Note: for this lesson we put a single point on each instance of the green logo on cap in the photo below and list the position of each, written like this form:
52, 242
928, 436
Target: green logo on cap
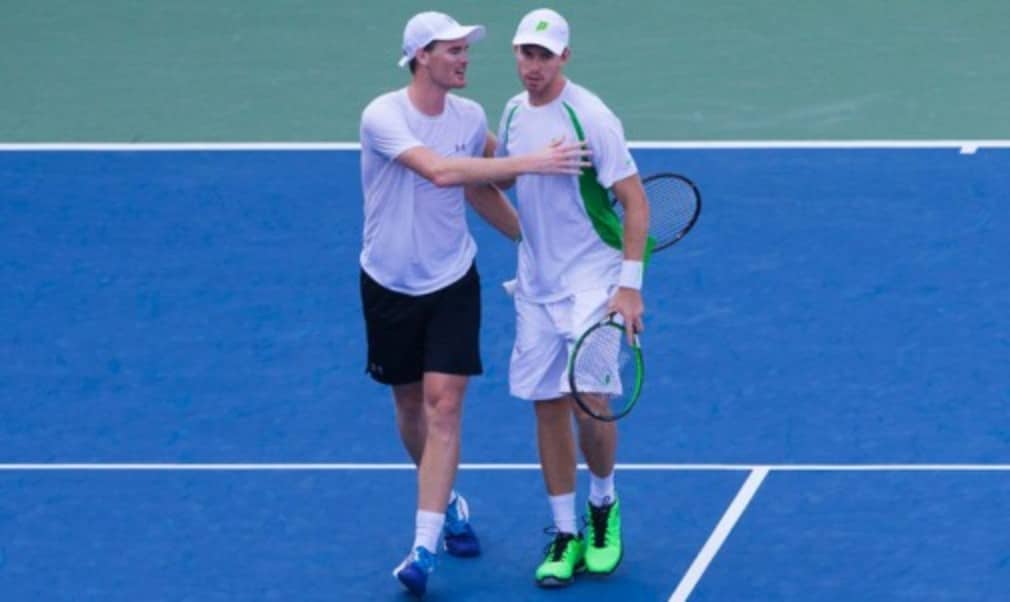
542, 25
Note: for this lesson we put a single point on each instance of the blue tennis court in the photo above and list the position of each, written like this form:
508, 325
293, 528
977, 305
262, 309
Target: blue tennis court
185, 414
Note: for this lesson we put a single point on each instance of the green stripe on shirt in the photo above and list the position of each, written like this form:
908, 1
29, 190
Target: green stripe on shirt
596, 200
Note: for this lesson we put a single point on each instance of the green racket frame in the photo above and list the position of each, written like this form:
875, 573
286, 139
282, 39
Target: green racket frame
636, 392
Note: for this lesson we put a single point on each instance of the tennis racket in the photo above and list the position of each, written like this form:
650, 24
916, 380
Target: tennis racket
674, 207
605, 371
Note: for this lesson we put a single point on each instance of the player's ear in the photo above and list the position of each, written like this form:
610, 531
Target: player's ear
423, 55
567, 52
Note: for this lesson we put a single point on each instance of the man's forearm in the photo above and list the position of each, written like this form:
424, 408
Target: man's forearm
455, 171
491, 204
636, 231
442, 171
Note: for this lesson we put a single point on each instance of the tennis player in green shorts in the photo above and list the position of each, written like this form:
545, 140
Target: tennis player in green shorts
568, 278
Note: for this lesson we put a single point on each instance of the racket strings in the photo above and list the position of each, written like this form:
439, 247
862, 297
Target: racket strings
597, 367
673, 204
605, 371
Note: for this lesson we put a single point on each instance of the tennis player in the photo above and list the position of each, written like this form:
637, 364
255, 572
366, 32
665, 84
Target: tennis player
423, 150
569, 277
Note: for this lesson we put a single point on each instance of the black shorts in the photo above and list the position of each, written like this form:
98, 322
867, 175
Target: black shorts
410, 335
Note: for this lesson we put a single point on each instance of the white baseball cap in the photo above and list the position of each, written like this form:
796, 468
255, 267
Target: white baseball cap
427, 27
543, 27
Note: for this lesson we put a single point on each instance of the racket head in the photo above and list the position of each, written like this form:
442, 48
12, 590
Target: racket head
605, 372
674, 207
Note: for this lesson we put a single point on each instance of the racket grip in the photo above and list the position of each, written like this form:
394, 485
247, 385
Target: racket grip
510, 287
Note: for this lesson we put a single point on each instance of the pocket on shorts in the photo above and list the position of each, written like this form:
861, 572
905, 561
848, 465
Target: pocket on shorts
588, 308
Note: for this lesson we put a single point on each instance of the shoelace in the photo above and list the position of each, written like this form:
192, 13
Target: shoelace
425, 559
559, 544
598, 516
455, 519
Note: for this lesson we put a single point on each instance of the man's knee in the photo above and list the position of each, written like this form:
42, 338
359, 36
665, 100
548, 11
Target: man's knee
443, 406
446, 408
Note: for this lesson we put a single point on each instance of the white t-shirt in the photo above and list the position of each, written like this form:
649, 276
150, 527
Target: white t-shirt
569, 243
415, 238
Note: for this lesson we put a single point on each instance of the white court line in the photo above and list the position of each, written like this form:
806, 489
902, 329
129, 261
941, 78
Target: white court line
719, 535
491, 466
180, 146
687, 583
964, 146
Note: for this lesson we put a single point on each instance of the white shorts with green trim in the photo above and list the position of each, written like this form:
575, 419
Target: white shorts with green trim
545, 336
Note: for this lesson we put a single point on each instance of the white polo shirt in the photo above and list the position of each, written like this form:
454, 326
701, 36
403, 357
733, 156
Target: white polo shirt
415, 238
571, 237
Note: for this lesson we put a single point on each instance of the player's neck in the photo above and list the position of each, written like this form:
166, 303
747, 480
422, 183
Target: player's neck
550, 93
426, 97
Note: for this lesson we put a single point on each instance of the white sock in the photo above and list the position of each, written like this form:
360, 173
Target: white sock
428, 527
601, 489
563, 509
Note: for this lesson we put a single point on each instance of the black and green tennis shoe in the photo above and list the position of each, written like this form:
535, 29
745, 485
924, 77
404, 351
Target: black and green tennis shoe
604, 548
564, 559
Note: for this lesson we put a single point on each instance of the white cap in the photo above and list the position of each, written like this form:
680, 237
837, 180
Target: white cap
543, 27
425, 28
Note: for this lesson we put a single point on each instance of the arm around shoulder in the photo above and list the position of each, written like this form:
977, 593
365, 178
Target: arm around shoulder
558, 158
456, 171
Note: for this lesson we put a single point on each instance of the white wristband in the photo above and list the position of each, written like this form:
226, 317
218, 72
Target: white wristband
631, 274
